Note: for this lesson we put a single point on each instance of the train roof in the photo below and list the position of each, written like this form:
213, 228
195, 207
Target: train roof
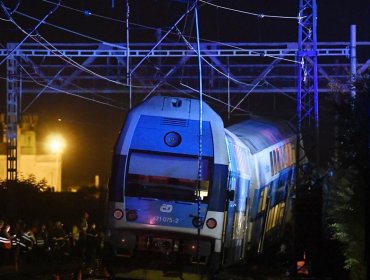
176, 108
259, 134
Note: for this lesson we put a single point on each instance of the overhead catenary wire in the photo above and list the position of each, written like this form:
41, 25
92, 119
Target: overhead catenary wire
210, 64
209, 96
163, 37
152, 28
200, 138
42, 91
72, 31
32, 79
83, 68
30, 33
89, 71
128, 60
260, 15
66, 58
69, 93
11, 11
219, 71
249, 92
144, 26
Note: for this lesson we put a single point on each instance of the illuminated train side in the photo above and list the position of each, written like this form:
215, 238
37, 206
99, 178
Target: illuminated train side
246, 174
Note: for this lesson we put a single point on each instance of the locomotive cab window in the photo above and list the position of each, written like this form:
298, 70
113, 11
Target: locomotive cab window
167, 177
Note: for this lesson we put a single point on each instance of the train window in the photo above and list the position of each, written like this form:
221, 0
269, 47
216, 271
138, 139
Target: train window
165, 188
272, 164
276, 215
152, 164
262, 199
281, 212
285, 156
278, 158
151, 176
289, 154
271, 220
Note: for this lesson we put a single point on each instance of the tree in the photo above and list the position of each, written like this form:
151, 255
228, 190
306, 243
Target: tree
349, 183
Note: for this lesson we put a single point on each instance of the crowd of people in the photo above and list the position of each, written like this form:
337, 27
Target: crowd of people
43, 243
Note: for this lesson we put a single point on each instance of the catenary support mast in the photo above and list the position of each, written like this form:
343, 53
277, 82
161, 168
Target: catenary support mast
12, 92
307, 90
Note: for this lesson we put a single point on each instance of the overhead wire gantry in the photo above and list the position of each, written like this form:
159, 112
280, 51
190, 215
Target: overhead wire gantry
272, 68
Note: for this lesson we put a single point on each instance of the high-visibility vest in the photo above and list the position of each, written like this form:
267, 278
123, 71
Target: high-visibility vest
5, 243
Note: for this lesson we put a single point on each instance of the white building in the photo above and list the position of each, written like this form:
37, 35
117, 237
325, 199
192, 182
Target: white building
46, 166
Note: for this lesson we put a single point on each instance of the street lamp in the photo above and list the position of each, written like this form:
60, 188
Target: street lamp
56, 145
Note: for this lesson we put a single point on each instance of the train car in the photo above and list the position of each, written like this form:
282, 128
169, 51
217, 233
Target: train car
261, 173
195, 190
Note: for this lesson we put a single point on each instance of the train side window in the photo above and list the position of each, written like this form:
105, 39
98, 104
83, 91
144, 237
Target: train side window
288, 155
276, 210
272, 164
285, 155
281, 157
262, 200
271, 221
275, 161
281, 212
276, 215
278, 159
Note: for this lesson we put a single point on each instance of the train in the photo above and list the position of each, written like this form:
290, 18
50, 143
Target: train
184, 186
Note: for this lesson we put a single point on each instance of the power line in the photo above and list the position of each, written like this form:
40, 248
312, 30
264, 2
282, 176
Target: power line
69, 93
205, 60
261, 15
121, 47
89, 14
28, 34
72, 31
64, 57
209, 96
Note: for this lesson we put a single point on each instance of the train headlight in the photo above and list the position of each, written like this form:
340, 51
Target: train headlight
193, 247
197, 222
131, 215
211, 223
176, 246
172, 139
118, 214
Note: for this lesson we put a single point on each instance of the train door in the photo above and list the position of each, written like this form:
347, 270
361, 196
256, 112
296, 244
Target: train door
229, 224
235, 230
238, 186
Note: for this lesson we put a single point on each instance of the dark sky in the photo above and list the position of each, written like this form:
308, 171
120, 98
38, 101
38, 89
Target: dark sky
90, 128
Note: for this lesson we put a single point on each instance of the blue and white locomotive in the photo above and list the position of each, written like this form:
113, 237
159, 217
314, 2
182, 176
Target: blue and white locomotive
210, 203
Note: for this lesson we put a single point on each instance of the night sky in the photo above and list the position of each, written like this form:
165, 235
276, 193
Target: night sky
90, 128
